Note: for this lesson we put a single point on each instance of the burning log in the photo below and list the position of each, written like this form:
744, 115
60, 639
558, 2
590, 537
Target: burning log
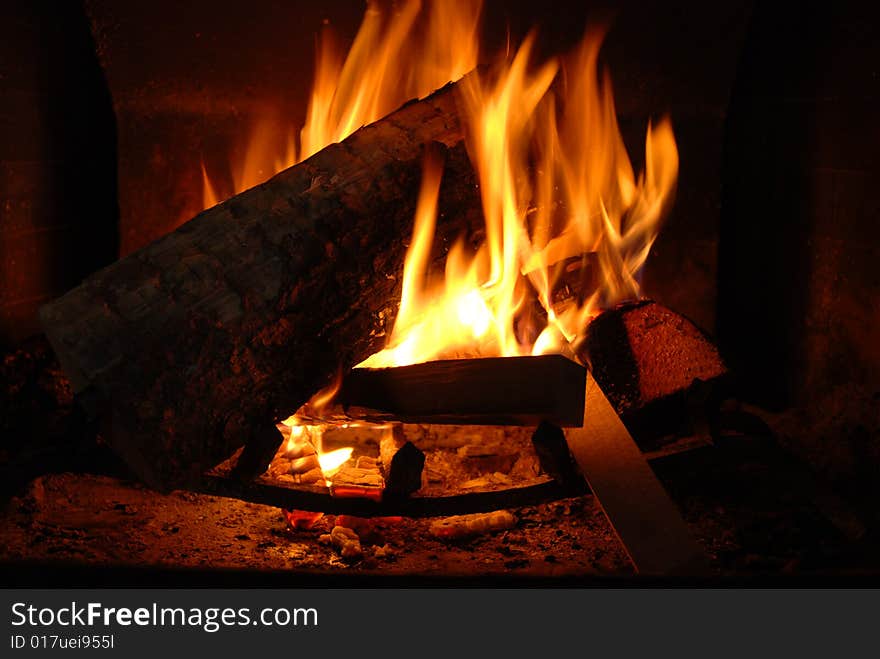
192, 346
655, 366
489, 391
401, 462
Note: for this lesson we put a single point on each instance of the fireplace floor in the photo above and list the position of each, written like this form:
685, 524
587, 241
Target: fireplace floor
101, 519
68, 513
753, 515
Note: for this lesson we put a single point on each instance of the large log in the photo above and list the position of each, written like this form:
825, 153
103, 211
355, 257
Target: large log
196, 344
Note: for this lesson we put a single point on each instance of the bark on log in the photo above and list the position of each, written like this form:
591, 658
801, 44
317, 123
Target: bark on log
656, 367
196, 342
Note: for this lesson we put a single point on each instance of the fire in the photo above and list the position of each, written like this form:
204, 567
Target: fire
556, 182
399, 53
558, 190
303, 433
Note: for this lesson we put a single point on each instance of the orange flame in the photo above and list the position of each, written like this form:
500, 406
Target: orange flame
397, 55
556, 182
310, 433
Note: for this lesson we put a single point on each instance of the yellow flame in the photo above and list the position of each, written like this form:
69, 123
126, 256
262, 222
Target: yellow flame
331, 461
556, 182
399, 53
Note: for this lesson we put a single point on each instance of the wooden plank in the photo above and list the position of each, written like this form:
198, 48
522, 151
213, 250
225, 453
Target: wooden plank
643, 516
489, 391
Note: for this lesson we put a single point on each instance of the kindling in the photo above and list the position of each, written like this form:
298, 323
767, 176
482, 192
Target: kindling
209, 619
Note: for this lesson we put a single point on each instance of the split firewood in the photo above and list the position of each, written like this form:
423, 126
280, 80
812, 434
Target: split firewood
186, 346
488, 391
401, 463
656, 367
301, 519
367, 462
312, 476
357, 482
280, 466
464, 526
577, 280
304, 464
299, 450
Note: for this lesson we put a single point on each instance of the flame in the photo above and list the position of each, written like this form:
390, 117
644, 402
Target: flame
302, 432
399, 53
556, 182
332, 460
608, 212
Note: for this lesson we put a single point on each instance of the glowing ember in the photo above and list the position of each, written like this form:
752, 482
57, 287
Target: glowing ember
331, 461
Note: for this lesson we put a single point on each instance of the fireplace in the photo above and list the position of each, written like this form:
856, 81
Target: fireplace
455, 460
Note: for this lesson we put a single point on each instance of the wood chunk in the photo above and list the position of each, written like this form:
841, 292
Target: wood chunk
357, 482
367, 462
555, 457
489, 391
656, 367
279, 467
188, 343
298, 450
310, 477
465, 526
304, 464
401, 463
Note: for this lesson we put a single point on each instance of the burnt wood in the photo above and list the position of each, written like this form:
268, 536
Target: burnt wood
192, 344
662, 374
402, 464
491, 391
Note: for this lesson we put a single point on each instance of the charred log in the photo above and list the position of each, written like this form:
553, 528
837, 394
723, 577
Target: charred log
658, 370
197, 341
489, 391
